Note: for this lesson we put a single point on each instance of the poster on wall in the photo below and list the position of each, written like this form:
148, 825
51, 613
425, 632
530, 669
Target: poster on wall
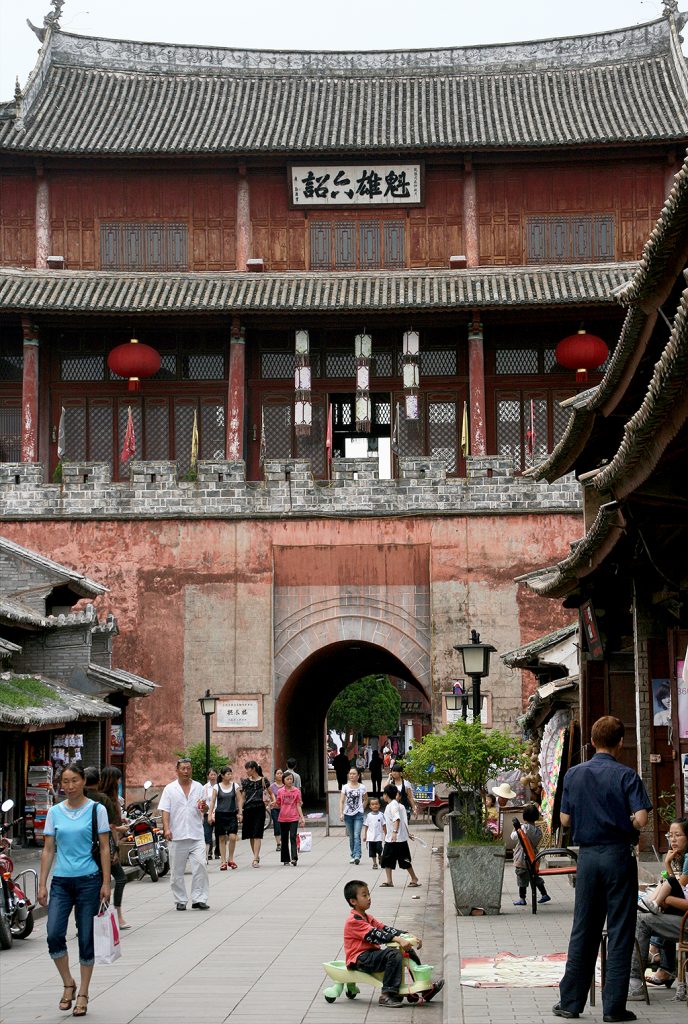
116, 739
682, 693
661, 702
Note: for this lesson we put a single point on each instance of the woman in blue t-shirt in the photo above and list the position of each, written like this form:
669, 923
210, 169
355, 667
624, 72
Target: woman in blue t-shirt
78, 882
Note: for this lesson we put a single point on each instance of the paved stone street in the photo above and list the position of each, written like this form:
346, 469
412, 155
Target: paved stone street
256, 955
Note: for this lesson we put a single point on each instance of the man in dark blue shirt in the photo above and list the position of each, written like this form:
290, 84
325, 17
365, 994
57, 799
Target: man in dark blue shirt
605, 803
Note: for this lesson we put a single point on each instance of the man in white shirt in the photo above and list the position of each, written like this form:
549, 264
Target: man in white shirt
396, 849
182, 807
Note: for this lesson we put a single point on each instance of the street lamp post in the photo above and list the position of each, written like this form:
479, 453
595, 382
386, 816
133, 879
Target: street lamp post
476, 664
208, 704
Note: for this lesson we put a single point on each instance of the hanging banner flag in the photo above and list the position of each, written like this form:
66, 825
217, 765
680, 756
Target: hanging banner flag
61, 435
328, 439
194, 442
530, 432
129, 446
263, 444
465, 440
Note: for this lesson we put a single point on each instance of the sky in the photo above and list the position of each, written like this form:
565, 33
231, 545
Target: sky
311, 24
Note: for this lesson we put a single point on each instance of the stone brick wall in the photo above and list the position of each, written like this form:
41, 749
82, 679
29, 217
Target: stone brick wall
154, 491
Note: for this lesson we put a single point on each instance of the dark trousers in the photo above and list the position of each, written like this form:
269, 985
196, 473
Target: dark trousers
376, 784
288, 830
389, 961
606, 887
120, 881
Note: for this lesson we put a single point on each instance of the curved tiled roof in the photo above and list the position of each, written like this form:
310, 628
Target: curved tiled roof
104, 96
92, 291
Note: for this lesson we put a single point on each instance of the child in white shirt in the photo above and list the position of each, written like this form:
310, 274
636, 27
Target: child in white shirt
374, 831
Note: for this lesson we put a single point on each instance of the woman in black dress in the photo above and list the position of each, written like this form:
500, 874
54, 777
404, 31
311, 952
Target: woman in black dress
224, 813
254, 791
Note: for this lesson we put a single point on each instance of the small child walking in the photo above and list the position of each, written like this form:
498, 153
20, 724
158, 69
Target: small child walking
374, 831
534, 834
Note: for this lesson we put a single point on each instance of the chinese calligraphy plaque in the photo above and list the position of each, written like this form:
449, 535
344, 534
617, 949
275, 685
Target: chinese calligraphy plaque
356, 185
239, 714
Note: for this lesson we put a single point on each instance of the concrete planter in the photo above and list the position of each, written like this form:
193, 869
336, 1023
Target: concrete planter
477, 874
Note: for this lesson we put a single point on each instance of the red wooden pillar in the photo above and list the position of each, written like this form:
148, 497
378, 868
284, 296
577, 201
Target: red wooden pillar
470, 216
236, 396
42, 220
29, 411
476, 386
243, 220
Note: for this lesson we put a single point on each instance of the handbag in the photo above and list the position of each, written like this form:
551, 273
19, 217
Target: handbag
95, 838
304, 842
106, 942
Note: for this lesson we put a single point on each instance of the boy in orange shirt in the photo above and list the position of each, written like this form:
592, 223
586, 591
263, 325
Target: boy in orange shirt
371, 946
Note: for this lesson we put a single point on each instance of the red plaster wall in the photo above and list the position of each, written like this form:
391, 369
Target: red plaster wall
147, 566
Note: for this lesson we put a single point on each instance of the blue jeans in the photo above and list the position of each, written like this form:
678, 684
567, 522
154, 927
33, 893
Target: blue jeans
606, 887
274, 814
354, 824
82, 895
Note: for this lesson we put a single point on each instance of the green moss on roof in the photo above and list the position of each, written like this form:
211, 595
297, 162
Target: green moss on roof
26, 693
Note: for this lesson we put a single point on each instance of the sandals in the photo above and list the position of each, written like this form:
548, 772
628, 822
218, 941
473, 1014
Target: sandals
80, 1011
415, 885
223, 866
66, 1003
232, 864
386, 885
256, 863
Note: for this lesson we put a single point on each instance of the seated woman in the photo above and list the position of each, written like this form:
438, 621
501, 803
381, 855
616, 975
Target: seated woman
660, 914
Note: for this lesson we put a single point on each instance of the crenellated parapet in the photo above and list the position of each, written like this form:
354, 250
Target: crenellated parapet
220, 490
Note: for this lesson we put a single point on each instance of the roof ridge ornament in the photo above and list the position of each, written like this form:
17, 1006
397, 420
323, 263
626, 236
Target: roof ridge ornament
669, 8
53, 20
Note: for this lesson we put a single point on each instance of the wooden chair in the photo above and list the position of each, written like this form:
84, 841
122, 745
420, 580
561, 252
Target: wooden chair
533, 861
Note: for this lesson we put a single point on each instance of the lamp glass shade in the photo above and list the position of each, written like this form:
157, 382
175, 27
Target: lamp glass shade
302, 378
301, 343
452, 702
362, 377
411, 375
411, 406
411, 343
208, 704
303, 414
476, 658
363, 346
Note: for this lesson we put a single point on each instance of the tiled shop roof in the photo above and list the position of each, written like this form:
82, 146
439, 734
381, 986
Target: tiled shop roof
105, 96
116, 679
79, 583
97, 292
38, 700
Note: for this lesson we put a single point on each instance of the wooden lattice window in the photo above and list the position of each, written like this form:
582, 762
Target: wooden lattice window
443, 433
312, 446
277, 426
10, 430
523, 430
357, 245
141, 246
570, 238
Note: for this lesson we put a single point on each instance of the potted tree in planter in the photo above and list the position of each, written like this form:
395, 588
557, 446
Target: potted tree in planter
464, 757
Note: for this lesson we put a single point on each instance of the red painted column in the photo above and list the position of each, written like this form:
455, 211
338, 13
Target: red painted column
476, 387
471, 240
29, 412
236, 396
42, 221
243, 220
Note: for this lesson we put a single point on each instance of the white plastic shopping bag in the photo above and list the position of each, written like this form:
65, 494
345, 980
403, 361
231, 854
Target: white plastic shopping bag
304, 842
106, 935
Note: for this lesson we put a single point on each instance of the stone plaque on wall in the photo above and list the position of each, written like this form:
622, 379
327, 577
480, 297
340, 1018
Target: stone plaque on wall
239, 713
356, 185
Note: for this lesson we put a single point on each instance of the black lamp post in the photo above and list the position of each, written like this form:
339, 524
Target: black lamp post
457, 699
476, 664
208, 704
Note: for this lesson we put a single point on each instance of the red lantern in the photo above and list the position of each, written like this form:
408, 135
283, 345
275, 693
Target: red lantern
581, 352
134, 360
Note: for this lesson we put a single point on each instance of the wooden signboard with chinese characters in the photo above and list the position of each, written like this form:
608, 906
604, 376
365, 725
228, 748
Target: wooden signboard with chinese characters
356, 185
245, 712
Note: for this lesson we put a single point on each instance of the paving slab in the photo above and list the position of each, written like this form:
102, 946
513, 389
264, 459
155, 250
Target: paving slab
255, 956
517, 930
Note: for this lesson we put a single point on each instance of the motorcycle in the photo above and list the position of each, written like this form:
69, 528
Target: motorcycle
150, 852
16, 908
